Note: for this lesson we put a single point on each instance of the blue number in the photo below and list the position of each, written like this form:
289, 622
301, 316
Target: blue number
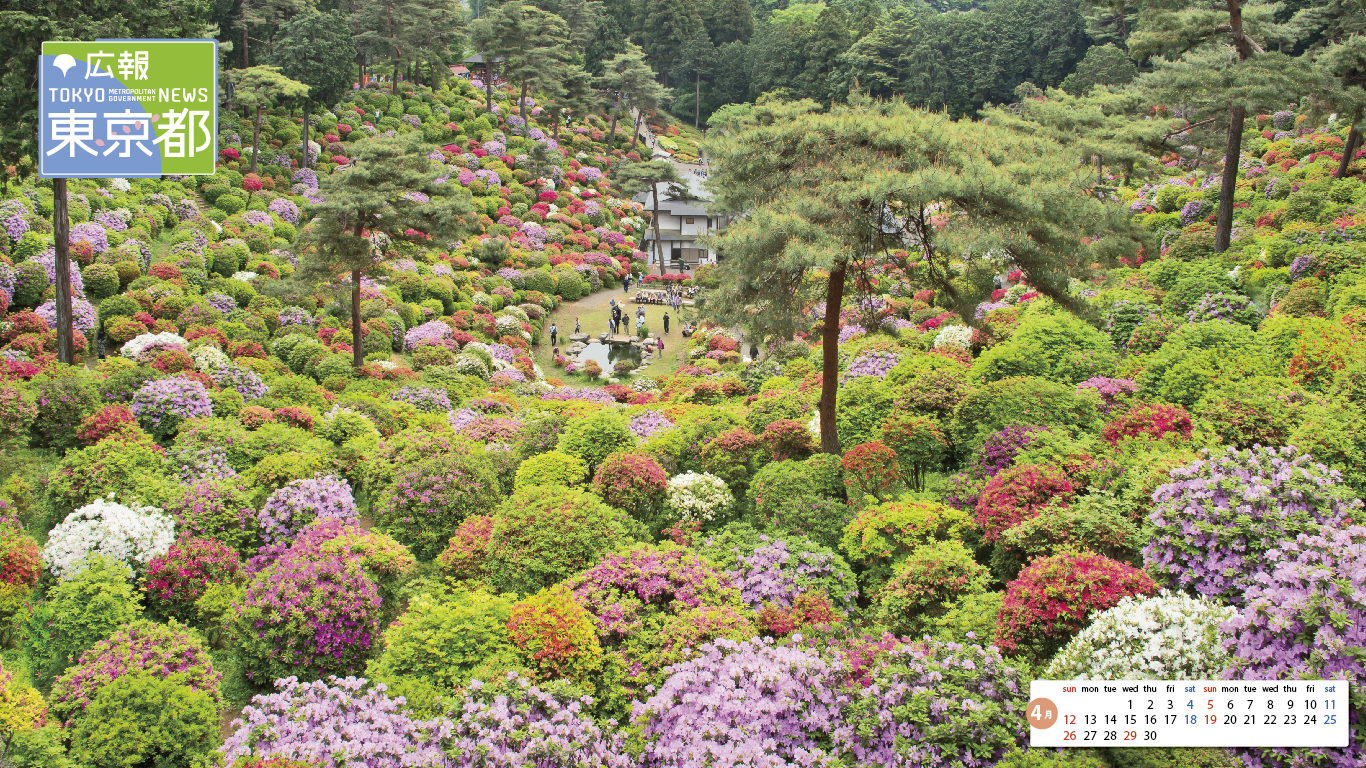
1190, 705
1330, 719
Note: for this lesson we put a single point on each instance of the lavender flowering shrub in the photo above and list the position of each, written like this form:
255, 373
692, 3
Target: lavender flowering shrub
162, 404
876, 364
515, 723
936, 705
776, 569
1304, 619
424, 399
1219, 516
335, 724
291, 508
1115, 394
748, 703
245, 382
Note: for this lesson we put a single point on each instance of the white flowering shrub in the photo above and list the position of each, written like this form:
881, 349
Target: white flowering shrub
482, 299
132, 535
245, 276
507, 325
1165, 637
697, 496
120, 185
208, 358
954, 336
141, 342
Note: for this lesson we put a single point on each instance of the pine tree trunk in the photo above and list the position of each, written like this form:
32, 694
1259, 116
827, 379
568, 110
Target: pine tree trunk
612, 132
697, 102
1223, 226
654, 224
488, 84
522, 101
61, 239
635, 136
1353, 140
393, 84
1100, 171
830, 343
255, 140
244, 44
357, 350
304, 162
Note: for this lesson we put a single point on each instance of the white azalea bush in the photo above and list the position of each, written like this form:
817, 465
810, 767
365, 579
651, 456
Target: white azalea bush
959, 336
138, 344
132, 535
1164, 637
697, 496
208, 359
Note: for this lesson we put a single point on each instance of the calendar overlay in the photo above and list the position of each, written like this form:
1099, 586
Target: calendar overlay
1187, 713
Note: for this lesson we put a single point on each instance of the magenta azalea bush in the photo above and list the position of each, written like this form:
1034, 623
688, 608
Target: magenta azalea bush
1219, 516
335, 724
308, 617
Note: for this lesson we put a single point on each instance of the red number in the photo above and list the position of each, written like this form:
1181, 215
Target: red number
1211, 719
1131, 735
1211, 704
1069, 735
1069, 719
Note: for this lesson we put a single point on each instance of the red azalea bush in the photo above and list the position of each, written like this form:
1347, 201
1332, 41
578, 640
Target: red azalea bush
1055, 596
295, 417
722, 344
631, 482
463, 558
1153, 420
173, 361
164, 271
254, 417
809, 609
788, 439
107, 421
870, 469
20, 558
557, 636
179, 578
1018, 494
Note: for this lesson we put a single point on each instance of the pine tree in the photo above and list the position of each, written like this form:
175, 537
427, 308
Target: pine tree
316, 50
1102, 65
631, 81
864, 18
667, 28
257, 88
697, 58
1344, 66
392, 188
821, 192
635, 178
532, 42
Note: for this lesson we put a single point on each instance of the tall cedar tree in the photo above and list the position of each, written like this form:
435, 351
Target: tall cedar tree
381, 191
257, 89
534, 44
666, 29
696, 59
817, 193
316, 50
728, 21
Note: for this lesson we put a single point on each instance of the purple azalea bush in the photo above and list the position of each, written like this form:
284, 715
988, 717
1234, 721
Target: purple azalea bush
1305, 619
588, 394
82, 314
650, 423
161, 405
773, 573
936, 705
285, 209
246, 382
291, 508
295, 316
424, 399
431, 330
877, 364
751, 703
1114, 393
1219, 516
335, 724
517, 724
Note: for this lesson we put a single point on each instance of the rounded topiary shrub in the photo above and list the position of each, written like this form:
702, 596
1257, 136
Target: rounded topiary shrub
1018, 494
633, 483
293, 507
131, 536
426, 502
433, 648
306, 617
595, 437
20, 565
1154, 420
161, 405
1096, 524
556, 637
551, 468
871, 469
939, 705
146, 720
1056, 596
544, 534
77, 613
167, 651
1219, 517
1164, 637
930, 578
882, 535
773, 570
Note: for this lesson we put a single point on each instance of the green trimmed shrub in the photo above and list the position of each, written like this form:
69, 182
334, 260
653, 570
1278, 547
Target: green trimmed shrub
543, 535
77, 613
551, 468
146, 720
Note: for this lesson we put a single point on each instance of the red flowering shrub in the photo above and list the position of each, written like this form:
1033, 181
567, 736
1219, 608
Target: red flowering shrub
20, 561
1054, 597
631, 482
181, 576
788, 439
870, 469
1017, 494
21, 323
1153, 420
463, 558
548, 196
106, 421
733, 388
557, 637
164, 271
808, 609
238, 349
251, 182
723, 344
620, 392
122, 329
295, 417
173, 361
206, 332
254, 417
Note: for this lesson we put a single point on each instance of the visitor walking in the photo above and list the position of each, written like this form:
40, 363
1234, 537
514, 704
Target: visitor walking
626, 284
612, 325
660, 341
666, 325
576, 326
554, 335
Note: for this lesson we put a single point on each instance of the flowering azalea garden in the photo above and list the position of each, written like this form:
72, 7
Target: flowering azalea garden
222, 543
